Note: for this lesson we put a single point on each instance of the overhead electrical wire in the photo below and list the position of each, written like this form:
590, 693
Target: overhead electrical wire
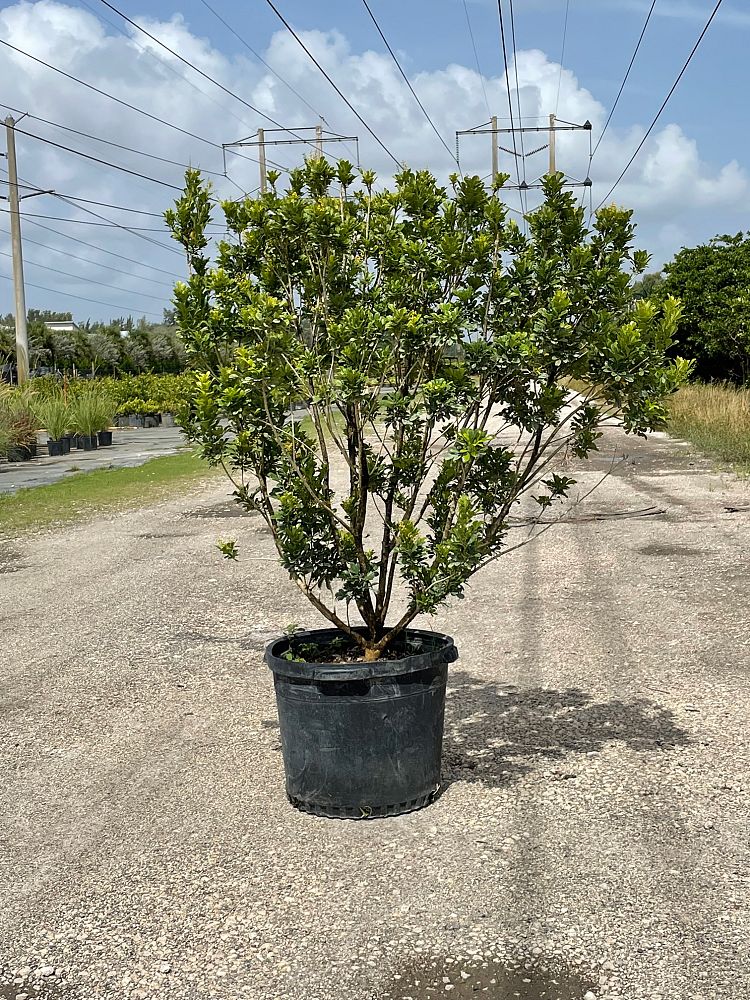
107, 224
518, 99
110, 142
111, 97
658, 114
90, 281
133, 230
510, 102
260, 59
476, 58
207, 76
111, 253
562, 54
140, 111
56, 291
91, 201
94, 263
163, 62
408, 82
625, 78
96, 159
343, 97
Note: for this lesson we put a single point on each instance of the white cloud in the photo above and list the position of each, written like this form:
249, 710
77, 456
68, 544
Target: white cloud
672, 188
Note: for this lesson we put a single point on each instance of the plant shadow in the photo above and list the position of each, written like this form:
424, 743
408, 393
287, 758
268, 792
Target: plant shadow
495, 732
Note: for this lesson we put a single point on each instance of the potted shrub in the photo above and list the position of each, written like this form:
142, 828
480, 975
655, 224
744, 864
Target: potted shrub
151, 413
85, 420
54, 415
21, 423
106, 408
433, 342
134, 408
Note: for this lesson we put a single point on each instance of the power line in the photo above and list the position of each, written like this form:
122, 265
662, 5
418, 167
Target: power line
345, 99
109, 222
163, 62
658, 115
407, 82
91, 281
476, 58
625, 78
562, 54
195, 68
93, 246
110, 142
92, 201
95, 263
510, 102
518, 95
96, 159
56, 291
106, 224
260, 58
111, 97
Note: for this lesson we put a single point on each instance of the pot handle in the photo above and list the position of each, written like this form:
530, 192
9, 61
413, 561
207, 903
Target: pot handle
358, 673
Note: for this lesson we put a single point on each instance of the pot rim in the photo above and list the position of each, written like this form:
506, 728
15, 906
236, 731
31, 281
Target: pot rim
440, 648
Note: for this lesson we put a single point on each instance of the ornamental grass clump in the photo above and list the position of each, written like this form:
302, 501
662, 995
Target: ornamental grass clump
431, 340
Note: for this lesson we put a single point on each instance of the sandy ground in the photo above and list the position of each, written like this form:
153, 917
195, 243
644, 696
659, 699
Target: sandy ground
595, 811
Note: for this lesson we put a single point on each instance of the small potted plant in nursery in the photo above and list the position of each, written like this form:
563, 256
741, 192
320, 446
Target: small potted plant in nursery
433, 342
85, 420
106, 410
18, 413
54, 415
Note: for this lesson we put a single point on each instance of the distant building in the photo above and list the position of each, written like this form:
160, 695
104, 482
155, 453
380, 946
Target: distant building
61, 325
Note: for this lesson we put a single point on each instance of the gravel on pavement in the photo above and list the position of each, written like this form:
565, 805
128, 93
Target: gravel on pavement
592, 831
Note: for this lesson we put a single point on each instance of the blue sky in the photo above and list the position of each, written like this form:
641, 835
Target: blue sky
690, 182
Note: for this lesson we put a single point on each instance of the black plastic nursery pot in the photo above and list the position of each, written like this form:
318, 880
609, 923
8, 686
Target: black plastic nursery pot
55, 448
87, 442
105, 438
22, 452
362, 740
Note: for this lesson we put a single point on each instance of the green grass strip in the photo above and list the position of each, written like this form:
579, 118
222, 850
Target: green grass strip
86, 494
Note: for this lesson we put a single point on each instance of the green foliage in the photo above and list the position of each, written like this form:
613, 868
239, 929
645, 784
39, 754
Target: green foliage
228, 548
712, 282
19, 421
54, 415
418, 324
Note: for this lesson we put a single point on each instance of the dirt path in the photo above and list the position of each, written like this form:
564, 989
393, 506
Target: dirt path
595, 813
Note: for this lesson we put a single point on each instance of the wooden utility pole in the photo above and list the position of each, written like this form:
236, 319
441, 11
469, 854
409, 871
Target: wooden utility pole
552, 160
262, 161
261, 142
495, 166
22, 343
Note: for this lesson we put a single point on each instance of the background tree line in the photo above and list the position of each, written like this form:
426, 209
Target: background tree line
120, 346
713, 283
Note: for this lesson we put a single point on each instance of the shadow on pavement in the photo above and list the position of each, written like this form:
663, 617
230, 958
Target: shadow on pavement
494, 731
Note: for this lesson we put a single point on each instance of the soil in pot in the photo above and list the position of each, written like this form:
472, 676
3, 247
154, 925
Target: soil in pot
361, 740
104, 438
